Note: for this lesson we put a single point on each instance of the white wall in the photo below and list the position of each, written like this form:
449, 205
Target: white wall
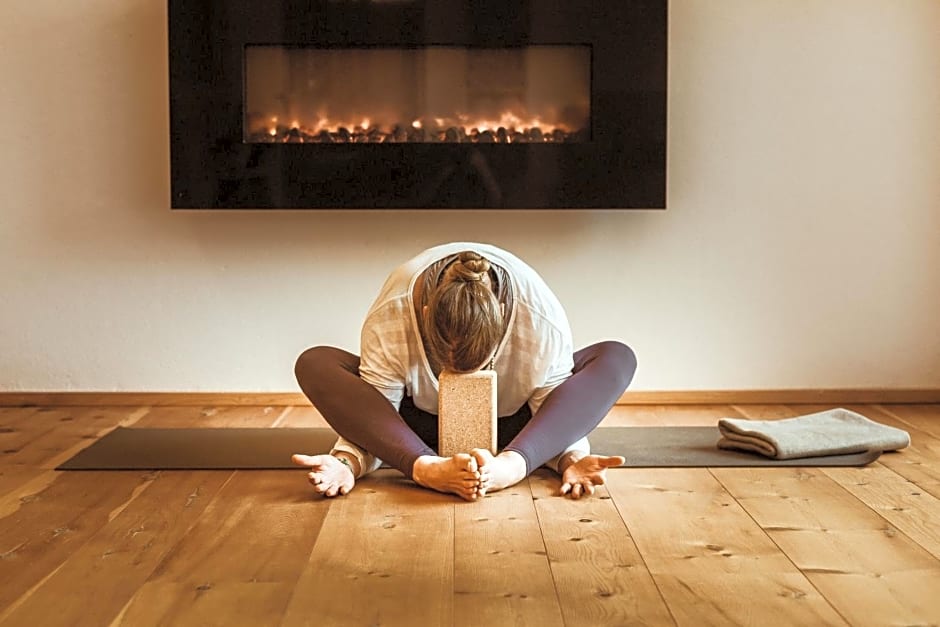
800, 249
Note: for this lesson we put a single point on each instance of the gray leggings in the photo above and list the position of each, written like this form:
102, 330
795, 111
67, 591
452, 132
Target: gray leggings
357, 411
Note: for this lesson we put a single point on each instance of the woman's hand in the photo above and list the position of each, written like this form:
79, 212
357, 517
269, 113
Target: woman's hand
582, 472
327, 474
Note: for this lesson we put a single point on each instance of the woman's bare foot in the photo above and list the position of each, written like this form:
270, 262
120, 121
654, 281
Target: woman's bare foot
506, 469
456, 475
328, 474
580, 472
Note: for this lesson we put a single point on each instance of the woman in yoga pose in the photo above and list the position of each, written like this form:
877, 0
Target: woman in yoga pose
463, 307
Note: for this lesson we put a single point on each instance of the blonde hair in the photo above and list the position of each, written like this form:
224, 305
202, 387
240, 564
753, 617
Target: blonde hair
464, 319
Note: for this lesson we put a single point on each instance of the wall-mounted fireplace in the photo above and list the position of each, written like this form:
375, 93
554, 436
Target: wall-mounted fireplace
399, 104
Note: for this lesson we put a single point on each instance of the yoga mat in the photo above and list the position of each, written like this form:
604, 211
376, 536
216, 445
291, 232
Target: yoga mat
191, 449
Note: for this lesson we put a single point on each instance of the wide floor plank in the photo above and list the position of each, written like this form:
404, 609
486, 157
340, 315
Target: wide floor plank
920, 462
20, 425
55, 522
211, 417
302, 417
667, 415
384, 556
258, 529
502, 573
599, 574
83, 590
164, 604
923, 417
261, 526
899, 501
861, 563
14, 478
713, 564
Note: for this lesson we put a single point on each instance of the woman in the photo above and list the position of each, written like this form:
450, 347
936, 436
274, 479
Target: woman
462, 307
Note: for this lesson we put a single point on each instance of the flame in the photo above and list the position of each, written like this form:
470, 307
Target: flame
508, 124
508, 121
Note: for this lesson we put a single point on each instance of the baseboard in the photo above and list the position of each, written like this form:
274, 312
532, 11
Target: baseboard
670, 397
850, 396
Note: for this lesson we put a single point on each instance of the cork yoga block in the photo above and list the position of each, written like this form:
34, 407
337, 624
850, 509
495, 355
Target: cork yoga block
466, 412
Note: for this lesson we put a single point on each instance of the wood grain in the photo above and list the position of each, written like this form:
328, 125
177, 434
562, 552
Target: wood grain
15, 478
83, 590
501, 570
302, 417
51, 524
212, 417
631, 397
902, 503
260, 527
22, 434
861, 563
252, 540
668, 415
713, 564
384, 556
598, 572
925, 418
165, 603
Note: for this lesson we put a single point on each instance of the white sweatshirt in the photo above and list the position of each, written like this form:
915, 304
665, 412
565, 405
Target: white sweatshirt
533, 358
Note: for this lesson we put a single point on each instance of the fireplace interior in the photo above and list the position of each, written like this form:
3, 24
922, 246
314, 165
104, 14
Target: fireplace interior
430, 94
396, 104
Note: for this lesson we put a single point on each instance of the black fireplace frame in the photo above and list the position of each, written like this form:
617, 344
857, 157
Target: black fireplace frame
621, 166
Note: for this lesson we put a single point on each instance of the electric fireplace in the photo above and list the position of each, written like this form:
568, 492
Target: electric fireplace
385, 104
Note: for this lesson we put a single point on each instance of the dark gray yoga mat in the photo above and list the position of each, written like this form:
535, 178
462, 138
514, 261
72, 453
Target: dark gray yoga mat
228, 449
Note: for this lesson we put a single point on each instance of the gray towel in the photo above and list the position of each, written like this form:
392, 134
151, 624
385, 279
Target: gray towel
831, 432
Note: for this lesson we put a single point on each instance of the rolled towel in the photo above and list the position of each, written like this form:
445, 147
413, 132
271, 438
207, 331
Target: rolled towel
831, 432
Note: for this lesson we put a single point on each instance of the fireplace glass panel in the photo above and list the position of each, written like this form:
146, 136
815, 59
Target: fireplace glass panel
430, 94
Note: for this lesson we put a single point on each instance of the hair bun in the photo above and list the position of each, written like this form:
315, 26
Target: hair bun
470, 266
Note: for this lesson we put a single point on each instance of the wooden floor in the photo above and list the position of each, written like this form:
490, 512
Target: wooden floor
779, 546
